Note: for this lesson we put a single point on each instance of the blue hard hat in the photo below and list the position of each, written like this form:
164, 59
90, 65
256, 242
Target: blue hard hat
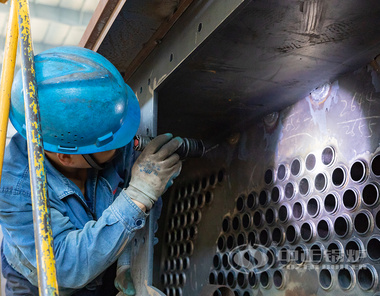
85, 105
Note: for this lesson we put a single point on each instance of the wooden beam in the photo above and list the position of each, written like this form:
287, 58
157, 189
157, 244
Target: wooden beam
100, 23
156, 38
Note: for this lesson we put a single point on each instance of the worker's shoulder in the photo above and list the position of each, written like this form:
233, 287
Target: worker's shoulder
15, 172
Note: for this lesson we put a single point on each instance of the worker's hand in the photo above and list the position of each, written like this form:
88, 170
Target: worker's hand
124, 282
154, 170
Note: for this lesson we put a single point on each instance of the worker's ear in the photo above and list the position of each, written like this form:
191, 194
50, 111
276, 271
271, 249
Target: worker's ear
67, 159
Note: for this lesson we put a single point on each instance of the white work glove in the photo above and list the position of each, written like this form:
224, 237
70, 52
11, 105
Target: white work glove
155, 169
124, 282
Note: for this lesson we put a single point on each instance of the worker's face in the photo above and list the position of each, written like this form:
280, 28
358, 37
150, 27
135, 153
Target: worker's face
77, 160
103, 157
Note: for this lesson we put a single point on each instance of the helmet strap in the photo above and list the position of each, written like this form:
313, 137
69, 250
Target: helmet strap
92, 162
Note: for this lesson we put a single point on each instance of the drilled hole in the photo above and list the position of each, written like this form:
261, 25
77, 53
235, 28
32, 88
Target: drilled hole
270, 216
252, 238
334, 253
225, 261
358, 171
362, 223
263, 198
231, 279
264, 279
183, 220
297, 210
246, 221
193, 202
221, 278
328, 156
197, 216
310, 162
264, 237
277, 236
378, 220
300, 255
284, 256
313, 207
291, 234
204, 183
200, 27
241, 239
252, 279
373, 248
283, 214
164, 279
320, 182
252, 201
341, 226
178, 292
325, 279
353, 251
212, 180
268, 177
186, 233
242, 280
350, 199
339, 177
281, 172
375, 165
236, 223
236, 260
278, 279
170, 237
182, 249
183, 191
295, 167
221, 243
306, 231
212, 278
257, 219
345, 278
331, 203
366, 277
323, 229
275, 194
186, 263
316, 254
240, 203
289, 190
371, 195
216, 261
304, 186
230, 242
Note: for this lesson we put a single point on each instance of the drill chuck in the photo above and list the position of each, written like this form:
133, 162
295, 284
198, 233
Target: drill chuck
190, 147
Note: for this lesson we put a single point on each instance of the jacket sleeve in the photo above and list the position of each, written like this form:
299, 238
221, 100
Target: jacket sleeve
82, 254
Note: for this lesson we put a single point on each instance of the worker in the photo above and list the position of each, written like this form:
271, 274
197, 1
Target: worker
99, 193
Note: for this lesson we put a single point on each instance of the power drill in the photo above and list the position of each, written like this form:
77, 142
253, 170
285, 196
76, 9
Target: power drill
190, 147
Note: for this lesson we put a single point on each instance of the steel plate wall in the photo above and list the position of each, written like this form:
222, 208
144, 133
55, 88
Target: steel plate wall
287, 206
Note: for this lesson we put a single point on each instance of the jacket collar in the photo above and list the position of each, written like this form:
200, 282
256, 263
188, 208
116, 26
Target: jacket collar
63, 186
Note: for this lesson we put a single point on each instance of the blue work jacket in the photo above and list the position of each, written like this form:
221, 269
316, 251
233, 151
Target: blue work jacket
90, 232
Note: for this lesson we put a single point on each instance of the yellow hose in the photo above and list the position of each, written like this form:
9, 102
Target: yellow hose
7, 74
